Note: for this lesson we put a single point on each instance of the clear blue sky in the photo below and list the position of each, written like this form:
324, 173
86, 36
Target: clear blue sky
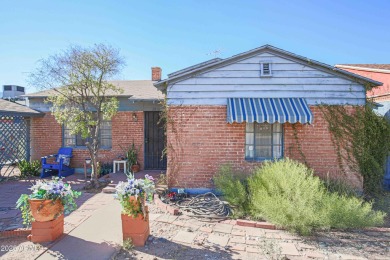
177, 34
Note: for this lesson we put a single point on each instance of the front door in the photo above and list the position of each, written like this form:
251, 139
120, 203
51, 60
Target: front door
154, 142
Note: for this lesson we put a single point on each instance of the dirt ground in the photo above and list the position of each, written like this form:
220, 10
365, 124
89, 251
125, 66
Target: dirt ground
359, 244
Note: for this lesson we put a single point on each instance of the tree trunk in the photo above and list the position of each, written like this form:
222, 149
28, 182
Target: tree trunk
94, 152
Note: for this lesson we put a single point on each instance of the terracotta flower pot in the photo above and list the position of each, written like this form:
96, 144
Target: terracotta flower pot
46, 210
47, 231
135, 168
137, 229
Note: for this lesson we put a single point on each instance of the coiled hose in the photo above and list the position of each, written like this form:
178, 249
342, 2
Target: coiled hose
205, 206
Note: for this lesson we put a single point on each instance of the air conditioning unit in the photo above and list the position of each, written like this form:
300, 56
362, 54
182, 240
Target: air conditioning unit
12, 91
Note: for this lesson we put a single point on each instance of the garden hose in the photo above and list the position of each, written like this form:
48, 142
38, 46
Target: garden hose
205, 206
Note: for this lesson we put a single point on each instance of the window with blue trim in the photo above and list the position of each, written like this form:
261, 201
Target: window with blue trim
263, 141
105, 137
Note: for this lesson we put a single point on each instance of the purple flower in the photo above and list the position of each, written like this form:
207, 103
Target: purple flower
149, 177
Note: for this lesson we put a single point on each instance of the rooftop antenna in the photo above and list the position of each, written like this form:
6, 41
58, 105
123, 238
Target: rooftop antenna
215, 53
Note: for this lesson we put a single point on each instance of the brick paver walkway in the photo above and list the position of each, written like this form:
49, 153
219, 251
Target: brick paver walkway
10, 191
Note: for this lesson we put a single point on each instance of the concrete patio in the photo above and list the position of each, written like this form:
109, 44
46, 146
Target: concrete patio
10, 191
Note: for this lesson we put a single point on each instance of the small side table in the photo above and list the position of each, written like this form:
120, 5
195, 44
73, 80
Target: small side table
118, 163
86, 166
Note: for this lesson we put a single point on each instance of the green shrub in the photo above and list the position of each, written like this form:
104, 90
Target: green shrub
350, 212
287, 193
340, 187
233, 188
29, 168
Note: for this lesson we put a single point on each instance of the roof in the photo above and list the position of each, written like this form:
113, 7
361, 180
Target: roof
11, 108
134, 89
187, 73
208, 62
369, 67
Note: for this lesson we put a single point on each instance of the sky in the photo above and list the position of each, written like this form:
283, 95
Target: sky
177, 34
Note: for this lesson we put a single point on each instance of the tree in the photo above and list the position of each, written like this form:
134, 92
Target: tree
81, 95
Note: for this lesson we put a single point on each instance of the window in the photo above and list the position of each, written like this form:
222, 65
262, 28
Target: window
265, 69
105, 137
7, 88
20, 89
263, 141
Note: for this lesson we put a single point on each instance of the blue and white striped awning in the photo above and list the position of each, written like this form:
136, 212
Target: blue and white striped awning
269, 110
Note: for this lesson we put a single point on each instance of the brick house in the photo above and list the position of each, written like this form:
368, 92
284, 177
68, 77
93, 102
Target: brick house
137, 120
243, 110
380, 95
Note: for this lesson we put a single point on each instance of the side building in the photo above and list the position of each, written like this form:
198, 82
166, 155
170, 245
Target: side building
137, 121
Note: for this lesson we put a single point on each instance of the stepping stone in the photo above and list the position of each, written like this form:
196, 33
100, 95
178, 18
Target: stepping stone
238, 232
315, 255
218, 240
193, 226
306, 246
108, 190
236, 247
178, 223
253, 249
166, 218
153, 216
223, 228
289, 249
237, 240
255, 232
185, 237
206, 229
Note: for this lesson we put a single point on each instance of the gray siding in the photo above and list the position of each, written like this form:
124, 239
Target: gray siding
289, 79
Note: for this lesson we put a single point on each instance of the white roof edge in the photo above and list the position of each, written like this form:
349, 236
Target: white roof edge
195, 66
275, 49
362, 68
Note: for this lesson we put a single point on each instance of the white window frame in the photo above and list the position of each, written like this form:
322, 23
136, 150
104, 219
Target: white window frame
250, 142
262, 69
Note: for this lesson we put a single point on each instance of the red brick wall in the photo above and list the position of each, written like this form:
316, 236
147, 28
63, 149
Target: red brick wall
45, 135
316, 144
46, 138
200, 140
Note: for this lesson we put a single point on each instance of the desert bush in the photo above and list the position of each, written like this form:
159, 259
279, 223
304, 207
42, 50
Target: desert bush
233, 188
287, 194
348, 212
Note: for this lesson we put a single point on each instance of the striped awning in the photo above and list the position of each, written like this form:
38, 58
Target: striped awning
269, 110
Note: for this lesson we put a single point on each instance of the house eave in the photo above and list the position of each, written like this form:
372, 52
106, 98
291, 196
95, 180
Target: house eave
8, 113
362, 68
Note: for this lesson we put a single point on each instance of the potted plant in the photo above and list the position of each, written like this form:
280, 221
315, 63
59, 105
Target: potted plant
132, 158
48, 200
131, 195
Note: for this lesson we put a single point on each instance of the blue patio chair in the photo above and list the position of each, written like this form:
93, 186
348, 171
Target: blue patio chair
61, 164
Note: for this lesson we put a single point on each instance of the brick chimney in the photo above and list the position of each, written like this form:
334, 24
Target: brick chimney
156, 73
